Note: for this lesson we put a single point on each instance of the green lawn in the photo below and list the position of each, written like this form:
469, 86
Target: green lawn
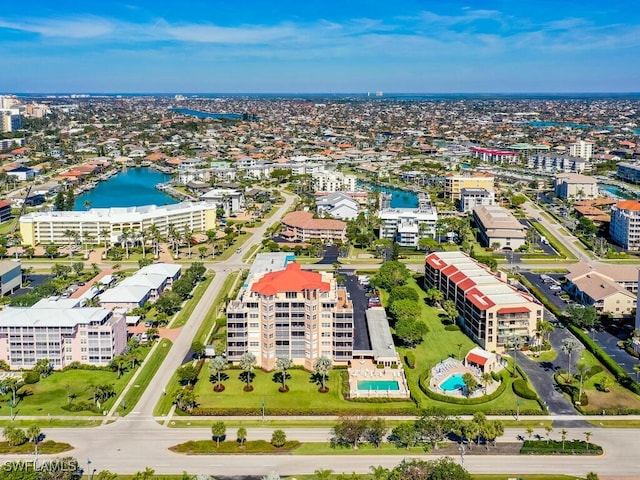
303, 394
48, 447
439, 344
184, 314
49, 395
148, 371
53, 423
325, 448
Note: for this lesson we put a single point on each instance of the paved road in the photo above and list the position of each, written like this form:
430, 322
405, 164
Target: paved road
609, 343
111, 448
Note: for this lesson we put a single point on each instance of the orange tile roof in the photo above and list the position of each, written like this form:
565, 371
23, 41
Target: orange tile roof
477, 359
629, 205
301, 219
292, 279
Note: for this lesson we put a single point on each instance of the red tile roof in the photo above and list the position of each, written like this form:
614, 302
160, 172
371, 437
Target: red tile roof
477, 359
4, 203
629, 205
306, 220
292, 279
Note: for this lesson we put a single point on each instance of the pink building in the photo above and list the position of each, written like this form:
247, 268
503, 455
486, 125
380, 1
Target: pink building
63, 332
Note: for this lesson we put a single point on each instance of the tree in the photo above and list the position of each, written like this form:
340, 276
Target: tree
376, 431
405, 309
379, 472
434, 296
198, 348
321, 367
187, 374
216, 366
404, 435
569, 345
282, 365
58, 203
432, 426
69, 199
514, 342
582, 316
442, 469
146, 474
403, 292
119, 364
242, 435
218, 431
11, 384
322, 474
34, 434
349, 430
169, 302
43, 367
248, 363
470, 382
582, 371
587, 436
106, 475
278, 438
529, 431
563, 436
487, 379
185, 399
450, 310
548, 429
411, 331
391, 274
14, 436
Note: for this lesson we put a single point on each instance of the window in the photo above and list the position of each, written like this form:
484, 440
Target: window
326, 325
254, 325
291, 295
254, 344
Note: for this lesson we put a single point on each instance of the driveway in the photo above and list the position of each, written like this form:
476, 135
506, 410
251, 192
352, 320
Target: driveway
330, 255
535, 279
359, 299
541, 374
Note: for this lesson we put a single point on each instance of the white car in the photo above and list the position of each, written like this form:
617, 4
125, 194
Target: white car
555, 287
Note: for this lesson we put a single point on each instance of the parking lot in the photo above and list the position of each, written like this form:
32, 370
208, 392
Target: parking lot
550, 289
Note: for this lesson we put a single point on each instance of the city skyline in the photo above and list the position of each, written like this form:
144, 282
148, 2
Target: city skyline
307, 47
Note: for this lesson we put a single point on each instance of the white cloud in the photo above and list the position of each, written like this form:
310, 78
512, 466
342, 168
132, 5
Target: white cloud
78, 28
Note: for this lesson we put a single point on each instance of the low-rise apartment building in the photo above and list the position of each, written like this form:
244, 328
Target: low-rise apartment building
62, 331
575, 186
582, 149
282, 310
408, 225
100, 224
557, 163
608, 288
301, 226
228, 199
629, 172
454, 183
498, 227
624, 228
471, 198
491, 311
334, 182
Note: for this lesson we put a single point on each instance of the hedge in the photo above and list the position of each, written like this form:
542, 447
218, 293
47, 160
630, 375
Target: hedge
521, 388
255, 412
31, 377
621, 376
555, 447
424, 380
410, 359
346, 393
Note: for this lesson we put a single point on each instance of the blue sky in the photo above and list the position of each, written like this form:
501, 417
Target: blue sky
237, 46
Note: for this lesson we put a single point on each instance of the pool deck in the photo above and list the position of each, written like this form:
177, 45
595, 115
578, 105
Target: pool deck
366, 370
451, 366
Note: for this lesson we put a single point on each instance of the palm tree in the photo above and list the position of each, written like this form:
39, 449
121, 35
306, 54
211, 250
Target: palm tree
125, 236
548, 429
587, 436
529, 431
636, 369
87, 204
34, 433
103, 237
487, 379
248, 363
515, 342
216, 366
156, 238
569, 345
71, 235
188, 238
563, 436
321, 367
242, 435
379, 472
282, 365
143, 236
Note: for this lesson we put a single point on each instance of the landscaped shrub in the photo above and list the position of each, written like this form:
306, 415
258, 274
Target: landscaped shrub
452, 328
556, 447
31, 377
410, 359
81, 407
83, 366
423, 383
521, 388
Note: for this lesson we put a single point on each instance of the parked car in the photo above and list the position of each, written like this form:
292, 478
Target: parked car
555, 287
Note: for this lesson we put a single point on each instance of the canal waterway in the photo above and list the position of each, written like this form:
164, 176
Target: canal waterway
199, 114
399, 198
617, 192
132, 187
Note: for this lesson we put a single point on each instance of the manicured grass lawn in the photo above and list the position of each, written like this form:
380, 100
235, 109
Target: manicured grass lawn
209, 447
237, 243
439, 344
49, 395
48, 447
615, 423
184, 314
303, 394
53, 423
212, 314
546, 356
324, 448
149, 369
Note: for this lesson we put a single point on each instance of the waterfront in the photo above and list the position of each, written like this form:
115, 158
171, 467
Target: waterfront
199, 114
617, 192
132, 187
399, 198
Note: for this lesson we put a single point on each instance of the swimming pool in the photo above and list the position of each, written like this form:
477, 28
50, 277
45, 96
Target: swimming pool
378, 385
454, 382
